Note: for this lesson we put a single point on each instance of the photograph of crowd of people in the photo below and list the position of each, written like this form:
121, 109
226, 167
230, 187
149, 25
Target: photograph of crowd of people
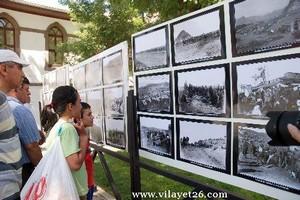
115, 134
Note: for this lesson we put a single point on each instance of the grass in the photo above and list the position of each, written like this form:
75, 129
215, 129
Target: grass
151, 182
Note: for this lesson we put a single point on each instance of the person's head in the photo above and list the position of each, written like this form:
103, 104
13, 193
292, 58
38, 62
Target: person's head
22, 93
48, 118
86, 115
25, 87
66, 102
11, 70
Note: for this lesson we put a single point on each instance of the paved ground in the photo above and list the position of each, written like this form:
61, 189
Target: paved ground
100, 194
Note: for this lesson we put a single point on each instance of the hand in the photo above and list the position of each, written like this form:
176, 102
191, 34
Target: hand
43, 137
294, 131
80, 128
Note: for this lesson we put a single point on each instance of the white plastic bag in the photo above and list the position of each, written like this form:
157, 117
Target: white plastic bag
52, 178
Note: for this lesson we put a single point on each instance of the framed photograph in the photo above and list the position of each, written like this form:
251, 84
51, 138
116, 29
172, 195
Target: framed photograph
79, 78
256, 160
114, 101
275, 25
95, 100
115, 134
93, 76
52, 81
154, 93
61, 76
203, 91
264, 85
195, 40
97, 130
156, 135
151, 49
113, 68
82, 96
204, 143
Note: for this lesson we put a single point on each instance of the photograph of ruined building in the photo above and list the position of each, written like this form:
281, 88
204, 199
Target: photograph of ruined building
151, 50
115, 132
258, 161
194, 39
203, 143
156, 135
93, 74
113, 68
202, 91
275, 25
113, 101
154, 93
267, 85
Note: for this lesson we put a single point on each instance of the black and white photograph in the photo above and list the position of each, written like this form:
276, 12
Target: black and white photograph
194, 39
266, 85
264, 25
115, 132
61, 76
114, 101
97, 130
154, 93
156, 135
203, 91
52, 81
95, 99
79, 77
46, 83
151, 50
113, 68
256, 160
204, 143
82, 95
93, 74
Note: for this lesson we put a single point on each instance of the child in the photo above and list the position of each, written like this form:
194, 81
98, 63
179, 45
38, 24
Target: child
66, 104
87, 120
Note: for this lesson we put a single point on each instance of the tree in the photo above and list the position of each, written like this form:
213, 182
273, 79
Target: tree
105, 23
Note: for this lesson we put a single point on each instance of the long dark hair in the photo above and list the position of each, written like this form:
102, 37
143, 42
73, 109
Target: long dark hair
61, 97
48, 118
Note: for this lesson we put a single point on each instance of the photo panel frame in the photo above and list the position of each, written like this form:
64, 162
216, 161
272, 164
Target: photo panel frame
274, 26
194, 40
203, 91
154, 93
61, 76
115, 134
268, 84
93, 76
113, 68
46, 83
256, 160
95, 99
151, 49
114, 101
52, 81
204, 143
156, 135
97, 131
79, 77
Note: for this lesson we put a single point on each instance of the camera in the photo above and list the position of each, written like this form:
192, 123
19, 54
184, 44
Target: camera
277, 129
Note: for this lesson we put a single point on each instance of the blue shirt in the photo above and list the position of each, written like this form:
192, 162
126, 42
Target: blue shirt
27, 128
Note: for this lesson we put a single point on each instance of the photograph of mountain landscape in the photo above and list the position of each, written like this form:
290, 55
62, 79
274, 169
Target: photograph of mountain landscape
97, 130
93, 74
264, 85
154, 93
204, 143
79, 77
202, 91
115, 132
264, 25
113, 101
151, 50
113, 68
194, 40
256, 160
156, 135
95, 100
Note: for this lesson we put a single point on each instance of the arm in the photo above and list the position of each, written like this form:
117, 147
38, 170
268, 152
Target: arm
75, 160
34, 152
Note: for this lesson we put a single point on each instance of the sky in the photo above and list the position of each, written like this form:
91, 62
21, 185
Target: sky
50, 3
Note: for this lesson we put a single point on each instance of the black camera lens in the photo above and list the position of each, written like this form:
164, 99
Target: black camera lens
277, 127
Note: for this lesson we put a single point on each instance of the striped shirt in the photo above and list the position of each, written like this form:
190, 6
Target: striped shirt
10, 153
27, 128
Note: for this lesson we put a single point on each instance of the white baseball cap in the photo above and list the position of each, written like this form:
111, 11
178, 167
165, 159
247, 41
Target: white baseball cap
7, 55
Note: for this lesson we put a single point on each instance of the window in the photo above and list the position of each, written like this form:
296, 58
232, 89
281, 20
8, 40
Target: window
9, 33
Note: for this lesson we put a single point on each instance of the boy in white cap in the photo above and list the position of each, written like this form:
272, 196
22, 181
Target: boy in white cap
11, 74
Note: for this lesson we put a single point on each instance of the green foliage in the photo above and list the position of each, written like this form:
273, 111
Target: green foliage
105, 23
